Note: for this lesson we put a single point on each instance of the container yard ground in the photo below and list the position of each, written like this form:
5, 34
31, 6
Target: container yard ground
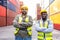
6, 33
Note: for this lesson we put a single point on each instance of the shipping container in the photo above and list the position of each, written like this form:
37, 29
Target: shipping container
8, 10
55, 13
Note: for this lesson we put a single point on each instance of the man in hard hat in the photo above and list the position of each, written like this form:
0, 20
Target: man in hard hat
23, 24
44, 27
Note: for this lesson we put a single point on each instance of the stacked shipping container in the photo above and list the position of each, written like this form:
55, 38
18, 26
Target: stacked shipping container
8, 10
55, 13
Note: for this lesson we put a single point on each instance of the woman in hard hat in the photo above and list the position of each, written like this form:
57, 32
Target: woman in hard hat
23, 24
44, 27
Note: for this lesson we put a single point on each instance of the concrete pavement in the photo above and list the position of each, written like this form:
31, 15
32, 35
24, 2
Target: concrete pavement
6, 33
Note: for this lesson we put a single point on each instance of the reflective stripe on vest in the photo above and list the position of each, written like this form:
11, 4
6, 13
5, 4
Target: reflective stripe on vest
16, 31
42, 35
45, 24
20, 19
48, 36
28, 29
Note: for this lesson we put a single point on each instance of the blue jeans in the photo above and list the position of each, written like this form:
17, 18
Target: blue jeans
20, 38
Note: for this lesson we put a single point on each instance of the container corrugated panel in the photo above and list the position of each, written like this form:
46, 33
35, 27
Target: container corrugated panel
56, 20
13, 2
2, 11
57, 26
2, 21
10, 20
55, 13
16, 3
11, 6
17, 10
11, 13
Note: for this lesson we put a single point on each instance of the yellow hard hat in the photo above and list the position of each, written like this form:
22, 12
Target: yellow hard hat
24, 7
43, 11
